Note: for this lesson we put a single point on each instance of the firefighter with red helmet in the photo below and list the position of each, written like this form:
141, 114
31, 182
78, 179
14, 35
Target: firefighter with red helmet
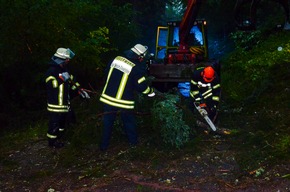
205, 90
58, 85
125, 76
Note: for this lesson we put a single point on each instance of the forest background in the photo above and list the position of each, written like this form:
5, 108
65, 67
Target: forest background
97, 31
255, 103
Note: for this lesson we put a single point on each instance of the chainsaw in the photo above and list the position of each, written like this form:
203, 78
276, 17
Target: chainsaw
204, 114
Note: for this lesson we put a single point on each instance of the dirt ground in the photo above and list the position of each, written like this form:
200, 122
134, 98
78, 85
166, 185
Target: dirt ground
37, 168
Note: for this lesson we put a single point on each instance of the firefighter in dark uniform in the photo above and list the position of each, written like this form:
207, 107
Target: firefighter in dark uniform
125, 76
205, 90
58, 84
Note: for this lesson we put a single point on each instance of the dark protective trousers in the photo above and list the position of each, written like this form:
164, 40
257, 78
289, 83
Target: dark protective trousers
56, 124
129, 123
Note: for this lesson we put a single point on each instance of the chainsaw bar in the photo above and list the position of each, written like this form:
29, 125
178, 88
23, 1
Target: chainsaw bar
209, 122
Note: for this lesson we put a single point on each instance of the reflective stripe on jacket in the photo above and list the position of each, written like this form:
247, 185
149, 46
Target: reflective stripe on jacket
202, 91
123, 78
57, 90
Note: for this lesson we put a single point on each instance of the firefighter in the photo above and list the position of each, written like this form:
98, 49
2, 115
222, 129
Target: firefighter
125, 76
205, 90
58, 84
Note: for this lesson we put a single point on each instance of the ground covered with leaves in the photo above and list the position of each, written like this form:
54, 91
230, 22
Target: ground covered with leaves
214, 168
208, 162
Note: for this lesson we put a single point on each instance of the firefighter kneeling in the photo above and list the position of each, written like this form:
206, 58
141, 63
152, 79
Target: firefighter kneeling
205, 90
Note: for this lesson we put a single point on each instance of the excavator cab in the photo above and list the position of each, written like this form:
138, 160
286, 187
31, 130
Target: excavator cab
167, 43
175, 62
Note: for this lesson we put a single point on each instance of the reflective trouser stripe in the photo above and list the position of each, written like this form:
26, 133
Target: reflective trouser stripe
51, 136
57, 108
147, 90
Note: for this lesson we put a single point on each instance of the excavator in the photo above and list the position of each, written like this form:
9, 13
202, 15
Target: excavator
181, 46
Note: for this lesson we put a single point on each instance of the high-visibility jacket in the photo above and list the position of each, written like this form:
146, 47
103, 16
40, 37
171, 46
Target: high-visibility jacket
205, 92
123, 79
57, 90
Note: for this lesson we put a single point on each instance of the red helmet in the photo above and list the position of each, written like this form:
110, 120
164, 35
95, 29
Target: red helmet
208, 74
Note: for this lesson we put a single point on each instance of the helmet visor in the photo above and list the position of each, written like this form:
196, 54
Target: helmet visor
70, 53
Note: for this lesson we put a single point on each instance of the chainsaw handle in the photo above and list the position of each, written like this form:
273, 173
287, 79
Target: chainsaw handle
201, 110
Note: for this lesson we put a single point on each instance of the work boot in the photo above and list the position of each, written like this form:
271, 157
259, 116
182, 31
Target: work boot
54, 143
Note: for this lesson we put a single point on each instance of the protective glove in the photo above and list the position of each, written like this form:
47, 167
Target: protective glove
84, 94
151, 94
64, 76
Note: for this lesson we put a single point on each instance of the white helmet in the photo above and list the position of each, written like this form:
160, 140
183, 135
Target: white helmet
64, 53
140, 50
